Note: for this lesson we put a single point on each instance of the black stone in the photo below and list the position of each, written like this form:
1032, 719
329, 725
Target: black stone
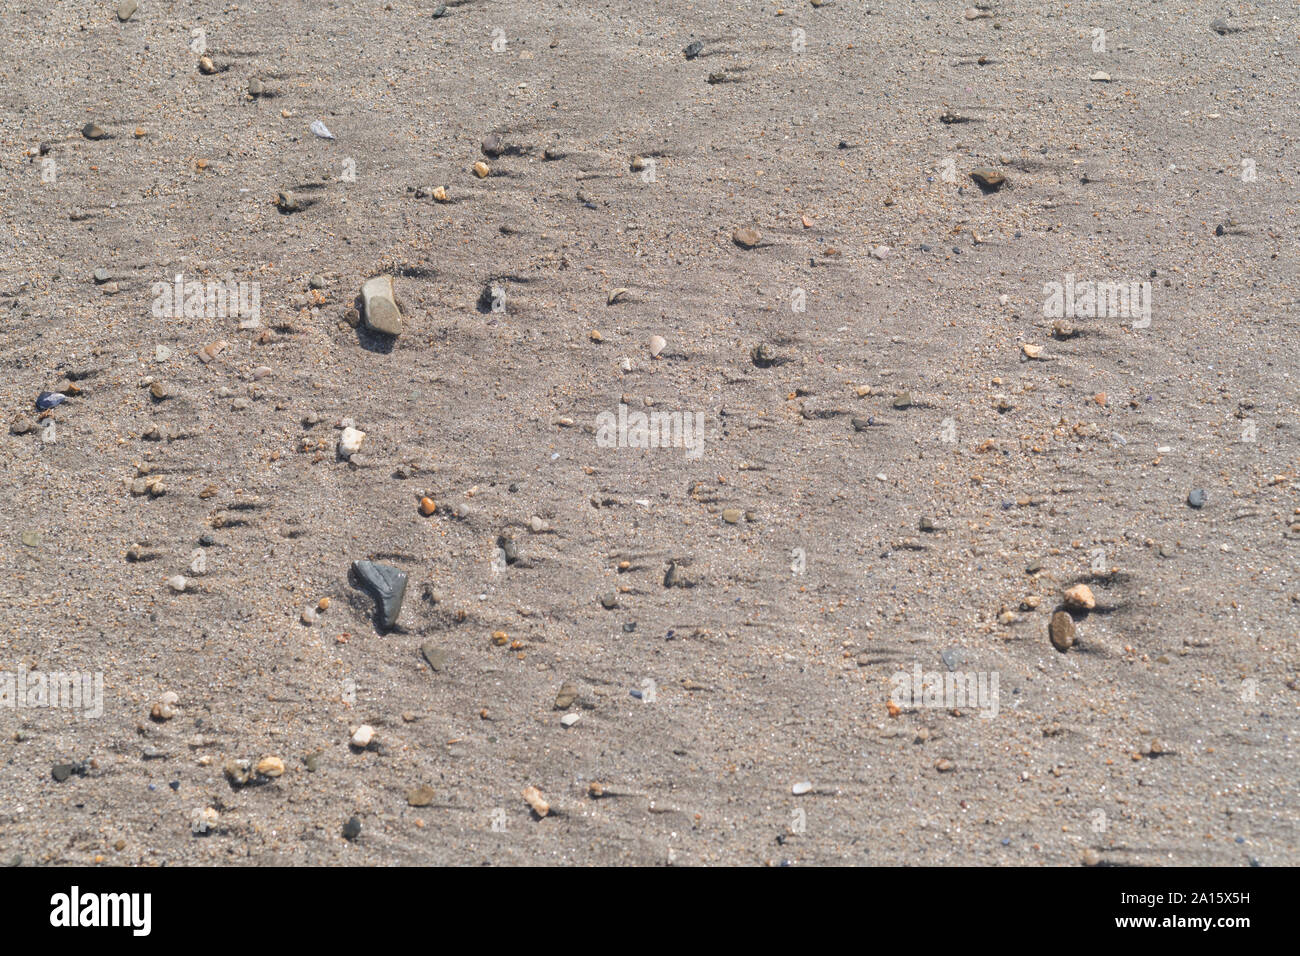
387, 585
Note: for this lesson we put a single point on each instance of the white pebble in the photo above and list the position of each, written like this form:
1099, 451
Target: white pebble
350, 442
568, 720
362, 736
800, 788
203, 820
177, 582
657, 344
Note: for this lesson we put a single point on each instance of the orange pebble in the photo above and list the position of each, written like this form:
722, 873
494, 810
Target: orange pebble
428, 506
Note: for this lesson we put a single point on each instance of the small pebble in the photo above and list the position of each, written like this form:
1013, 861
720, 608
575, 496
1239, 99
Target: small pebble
1080, 596
533, 797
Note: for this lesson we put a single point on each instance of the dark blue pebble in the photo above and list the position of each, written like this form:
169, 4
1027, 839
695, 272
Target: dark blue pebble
635, 693
47, 400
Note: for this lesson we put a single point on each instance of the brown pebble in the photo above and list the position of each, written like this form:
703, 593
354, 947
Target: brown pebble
1061, 630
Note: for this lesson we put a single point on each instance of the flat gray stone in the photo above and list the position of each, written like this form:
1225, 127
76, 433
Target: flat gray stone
387, 585
381, 310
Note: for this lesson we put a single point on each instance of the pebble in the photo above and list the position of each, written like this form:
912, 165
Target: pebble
609, 601
62, 771
732, 515
615, 295
352, 829
802, 787
237, 772
286, 201
309, 616
493, 145
1091, 857
270, 767
763, 355
903, 400
126, 9
93, 131
1032, 351
421, 796
177, 583
204, 821
350, 442
387, 585
482, 169
746, 238
47, 400
567, 695
101, 276
1196, 498
320, 129
693, 49
568, 720
206, 66
256, 88
381, 310
428, 506
657, 344
165, 707
943, 766
21, 425
1100, 77
533, 797
435, 656
1080, 596
362, 736
988, 179
211, 351
1061, 631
